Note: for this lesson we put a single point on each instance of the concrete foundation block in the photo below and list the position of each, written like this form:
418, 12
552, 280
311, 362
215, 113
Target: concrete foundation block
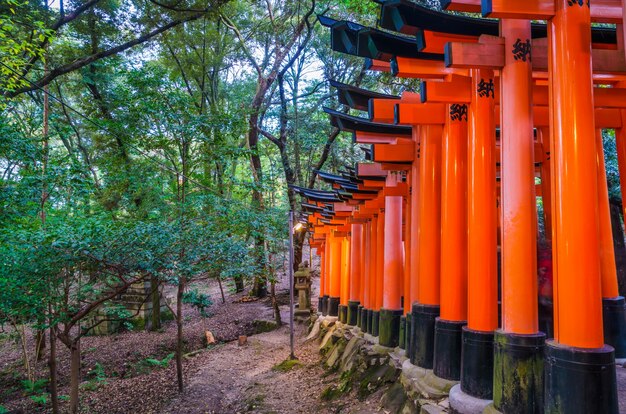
461, 403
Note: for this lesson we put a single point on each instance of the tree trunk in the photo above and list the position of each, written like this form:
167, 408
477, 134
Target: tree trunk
239, 284
156, 304
179, 334
277, 317
619, 246
52, 365
74, 375
219, 282
40, 344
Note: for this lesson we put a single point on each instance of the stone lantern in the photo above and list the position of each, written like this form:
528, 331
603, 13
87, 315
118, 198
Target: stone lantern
303, 286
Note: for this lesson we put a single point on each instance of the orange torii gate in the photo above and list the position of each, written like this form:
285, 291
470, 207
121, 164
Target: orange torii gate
524, 82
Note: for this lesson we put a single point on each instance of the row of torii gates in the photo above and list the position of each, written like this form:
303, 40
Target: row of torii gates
409, 242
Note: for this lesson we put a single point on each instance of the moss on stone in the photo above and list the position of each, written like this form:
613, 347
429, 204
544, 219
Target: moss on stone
287, 365
261, 326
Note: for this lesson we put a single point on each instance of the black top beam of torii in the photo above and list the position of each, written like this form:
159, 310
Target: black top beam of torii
349, 123
410, 18
357, 98
355, 39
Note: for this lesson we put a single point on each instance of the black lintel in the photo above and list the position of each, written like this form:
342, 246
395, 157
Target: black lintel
410, 18
357, 98
353, 123
376, 44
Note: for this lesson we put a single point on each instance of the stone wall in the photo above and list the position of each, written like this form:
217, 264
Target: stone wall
371, 369
136, 301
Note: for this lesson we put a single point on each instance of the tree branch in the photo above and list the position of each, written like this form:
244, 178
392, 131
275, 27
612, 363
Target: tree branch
79, 63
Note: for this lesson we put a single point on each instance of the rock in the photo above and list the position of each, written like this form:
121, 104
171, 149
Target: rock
328, 338
315, 331
335, 354
431, 409
243, 340
210, 339
351, 354
394, 399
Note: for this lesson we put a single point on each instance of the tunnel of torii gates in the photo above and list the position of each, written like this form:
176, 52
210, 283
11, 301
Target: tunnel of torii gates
410, 241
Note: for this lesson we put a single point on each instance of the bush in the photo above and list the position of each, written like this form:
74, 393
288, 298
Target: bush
198, 300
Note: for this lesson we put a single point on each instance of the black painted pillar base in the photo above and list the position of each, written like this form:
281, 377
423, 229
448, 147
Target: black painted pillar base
319, 304
402, 334
364, 319
370, 318
389, 327
423, 334
448, 345
477, 364
407, 335
333, 306
343, 313
614, 321
360, 315
352, 312
375, 322
580, 380
518, 372
325, 305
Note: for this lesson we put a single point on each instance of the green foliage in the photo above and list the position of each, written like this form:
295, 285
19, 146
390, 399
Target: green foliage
3, 410
159, 363
23, 36
40, 399
612, 167
97, 378
200, 301
34, 387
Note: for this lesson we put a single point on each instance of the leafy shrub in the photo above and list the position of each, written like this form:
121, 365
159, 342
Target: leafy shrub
34, 387
159, 363
198, 300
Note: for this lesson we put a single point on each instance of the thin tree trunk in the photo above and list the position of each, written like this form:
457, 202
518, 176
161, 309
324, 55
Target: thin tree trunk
26, 360
238, 284
156, 304
179, 334
52, 365
219, 282
277, 317
40, 344
74, 375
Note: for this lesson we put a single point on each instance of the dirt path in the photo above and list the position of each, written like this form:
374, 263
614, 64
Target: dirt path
234, 379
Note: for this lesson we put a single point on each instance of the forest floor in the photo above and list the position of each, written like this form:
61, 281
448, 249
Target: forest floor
118, 376
224, 378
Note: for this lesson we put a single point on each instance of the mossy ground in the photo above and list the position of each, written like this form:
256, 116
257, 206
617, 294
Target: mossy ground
287, 365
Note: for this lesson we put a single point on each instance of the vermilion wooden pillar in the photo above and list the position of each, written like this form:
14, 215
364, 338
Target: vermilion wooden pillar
414, 246
380, 266
346, 277
426, 308
373, 273
356, 273
453, 315
482, 316
579, 334
327, 262
405, 321
335, 275
366, 260
613, 310
322, 278
391, 311
518, 344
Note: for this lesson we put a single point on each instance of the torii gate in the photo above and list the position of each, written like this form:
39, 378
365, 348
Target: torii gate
564, 188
